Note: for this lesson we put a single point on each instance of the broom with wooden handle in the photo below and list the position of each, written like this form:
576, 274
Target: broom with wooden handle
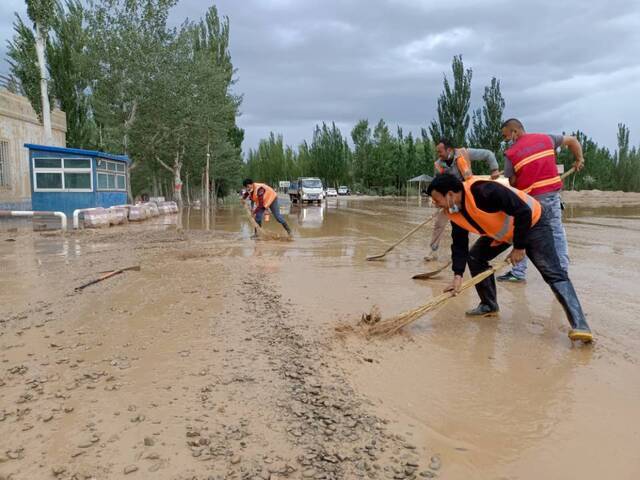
254, 224
392, 325
414, 230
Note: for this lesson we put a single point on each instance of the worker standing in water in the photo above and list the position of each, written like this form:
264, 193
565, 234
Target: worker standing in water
503, 217
457, 162
263, 197
530, 165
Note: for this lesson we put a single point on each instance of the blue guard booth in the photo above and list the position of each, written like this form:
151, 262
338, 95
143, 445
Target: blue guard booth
65, 179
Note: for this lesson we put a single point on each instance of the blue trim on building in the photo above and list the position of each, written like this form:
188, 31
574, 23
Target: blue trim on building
78, 151
68, 201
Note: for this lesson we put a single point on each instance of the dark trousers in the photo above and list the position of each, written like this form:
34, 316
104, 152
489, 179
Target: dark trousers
275, 209
540, 248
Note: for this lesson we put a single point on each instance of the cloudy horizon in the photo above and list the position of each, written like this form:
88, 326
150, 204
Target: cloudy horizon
300, 63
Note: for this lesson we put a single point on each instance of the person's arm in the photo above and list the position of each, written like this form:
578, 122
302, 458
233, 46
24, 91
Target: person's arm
260, 204
493, 197
459, 254
482, 154
575, 148
509, 172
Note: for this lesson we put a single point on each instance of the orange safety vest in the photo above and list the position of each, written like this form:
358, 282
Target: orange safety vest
269, 194
463, 162
497, 225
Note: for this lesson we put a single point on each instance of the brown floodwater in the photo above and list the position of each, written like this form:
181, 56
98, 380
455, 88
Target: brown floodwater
503, 398
506, 398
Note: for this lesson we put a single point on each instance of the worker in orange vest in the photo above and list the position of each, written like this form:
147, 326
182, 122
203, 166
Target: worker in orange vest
530, 165
503, 217
263, 197
456, 161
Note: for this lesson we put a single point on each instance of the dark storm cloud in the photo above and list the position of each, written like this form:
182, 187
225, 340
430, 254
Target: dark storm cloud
562, 65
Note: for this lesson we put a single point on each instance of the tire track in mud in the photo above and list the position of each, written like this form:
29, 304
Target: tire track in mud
323, 416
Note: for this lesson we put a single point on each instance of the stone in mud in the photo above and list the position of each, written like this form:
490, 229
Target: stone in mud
130, 469
59, 470
435, 463
149, 442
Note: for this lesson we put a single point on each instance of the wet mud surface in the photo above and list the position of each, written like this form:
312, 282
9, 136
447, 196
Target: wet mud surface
219, 358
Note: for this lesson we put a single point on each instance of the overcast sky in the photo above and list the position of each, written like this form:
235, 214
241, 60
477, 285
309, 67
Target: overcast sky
563, 65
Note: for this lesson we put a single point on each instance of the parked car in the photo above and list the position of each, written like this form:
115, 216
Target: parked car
344, 190
331, 192
307, 189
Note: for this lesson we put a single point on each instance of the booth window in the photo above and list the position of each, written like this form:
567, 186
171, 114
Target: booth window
4, 163
62, 174
111, 175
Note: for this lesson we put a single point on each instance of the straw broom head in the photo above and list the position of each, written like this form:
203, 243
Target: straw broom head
392, 325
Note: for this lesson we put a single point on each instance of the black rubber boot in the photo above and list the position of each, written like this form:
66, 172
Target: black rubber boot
566, 295
487, 292
482, 310
287, 228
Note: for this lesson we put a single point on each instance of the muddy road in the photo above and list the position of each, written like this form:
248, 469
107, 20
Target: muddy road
219, 358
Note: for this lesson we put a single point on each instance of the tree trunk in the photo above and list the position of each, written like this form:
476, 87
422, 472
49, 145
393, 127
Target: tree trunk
206, 174
154, 186
202, 194
187, 191
177, 181
44, 90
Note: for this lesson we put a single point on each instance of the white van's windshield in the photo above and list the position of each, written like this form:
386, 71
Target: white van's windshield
312, 183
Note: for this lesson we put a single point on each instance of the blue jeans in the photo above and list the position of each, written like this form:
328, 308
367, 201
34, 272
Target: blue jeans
275, 210
553, 212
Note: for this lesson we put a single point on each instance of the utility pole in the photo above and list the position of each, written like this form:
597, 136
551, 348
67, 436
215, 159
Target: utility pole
207, 177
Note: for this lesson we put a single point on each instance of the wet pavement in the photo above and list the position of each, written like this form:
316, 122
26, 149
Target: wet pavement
505, 398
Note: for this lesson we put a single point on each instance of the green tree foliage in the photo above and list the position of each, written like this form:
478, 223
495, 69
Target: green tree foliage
329, 157
131, 84
69, 70
453, 106
24, 63
486, 132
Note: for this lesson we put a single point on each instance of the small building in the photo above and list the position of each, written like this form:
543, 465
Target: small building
19, 124
65, 179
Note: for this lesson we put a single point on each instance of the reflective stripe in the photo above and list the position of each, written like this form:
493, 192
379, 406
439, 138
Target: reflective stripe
508, 221
543, 183
506, 225
533, 158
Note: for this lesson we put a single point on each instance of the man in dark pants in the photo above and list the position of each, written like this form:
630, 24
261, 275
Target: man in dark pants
264, 197
503, 216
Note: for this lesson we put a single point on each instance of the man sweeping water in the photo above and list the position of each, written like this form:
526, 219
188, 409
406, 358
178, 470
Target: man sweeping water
530, 165
264, 197
503, 217
457, 162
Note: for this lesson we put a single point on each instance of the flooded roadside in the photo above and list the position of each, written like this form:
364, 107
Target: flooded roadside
497, 398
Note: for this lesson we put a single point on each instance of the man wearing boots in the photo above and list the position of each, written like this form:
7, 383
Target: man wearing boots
456, 161
263, 197
503, 217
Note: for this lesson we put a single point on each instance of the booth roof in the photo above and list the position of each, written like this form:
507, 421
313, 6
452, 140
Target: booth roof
78, 151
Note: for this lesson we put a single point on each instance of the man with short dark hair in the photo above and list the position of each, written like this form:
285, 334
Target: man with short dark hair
502, 216
530, 165
263, 197
456, 161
